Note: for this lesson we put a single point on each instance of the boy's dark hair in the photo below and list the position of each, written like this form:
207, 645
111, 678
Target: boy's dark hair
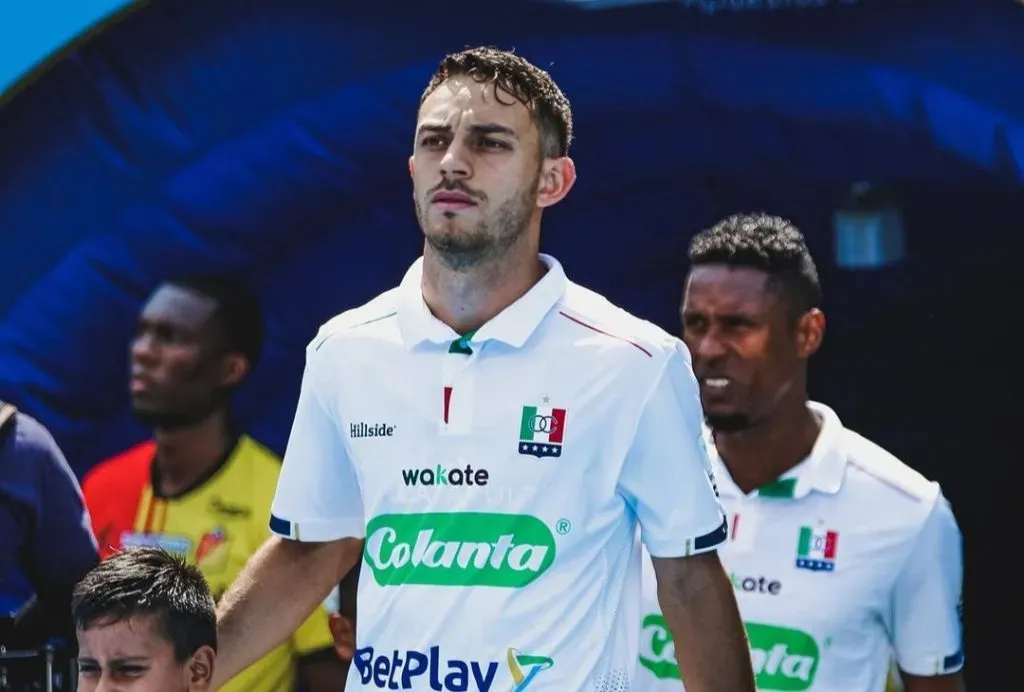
149, 582
527, 83
238, 311
769, 243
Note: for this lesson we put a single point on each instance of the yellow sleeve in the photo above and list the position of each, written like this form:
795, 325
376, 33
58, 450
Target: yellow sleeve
314, 634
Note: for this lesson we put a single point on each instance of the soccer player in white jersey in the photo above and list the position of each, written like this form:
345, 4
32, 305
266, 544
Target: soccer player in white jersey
496, 434
838, 552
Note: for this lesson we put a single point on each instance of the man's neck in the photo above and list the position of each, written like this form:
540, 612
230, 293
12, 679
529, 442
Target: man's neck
757, 456
185, 455
466, 299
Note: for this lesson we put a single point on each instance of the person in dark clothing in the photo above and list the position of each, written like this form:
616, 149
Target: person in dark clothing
46, 543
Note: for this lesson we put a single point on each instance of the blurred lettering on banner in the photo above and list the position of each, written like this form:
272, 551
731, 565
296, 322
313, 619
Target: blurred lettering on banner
716, 6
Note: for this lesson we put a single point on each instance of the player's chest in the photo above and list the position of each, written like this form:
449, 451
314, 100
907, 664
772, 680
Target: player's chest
484, 430
212, 532
811, 564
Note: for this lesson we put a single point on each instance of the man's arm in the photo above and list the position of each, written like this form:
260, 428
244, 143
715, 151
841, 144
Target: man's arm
666, 479
699, 605
317, 516
925, 624
282, 584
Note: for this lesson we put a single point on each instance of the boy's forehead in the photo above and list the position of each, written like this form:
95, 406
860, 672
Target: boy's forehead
134, 637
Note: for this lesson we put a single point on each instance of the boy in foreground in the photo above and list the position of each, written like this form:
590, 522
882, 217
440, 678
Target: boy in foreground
145, 622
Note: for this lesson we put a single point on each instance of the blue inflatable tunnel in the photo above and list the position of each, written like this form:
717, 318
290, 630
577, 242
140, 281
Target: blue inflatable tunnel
269, 140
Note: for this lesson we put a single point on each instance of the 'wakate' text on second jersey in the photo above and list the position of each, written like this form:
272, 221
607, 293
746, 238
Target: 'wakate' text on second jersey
849, 557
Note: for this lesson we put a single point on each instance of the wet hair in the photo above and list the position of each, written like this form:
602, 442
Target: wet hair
149, 582
525, 82
768, 243
238, 312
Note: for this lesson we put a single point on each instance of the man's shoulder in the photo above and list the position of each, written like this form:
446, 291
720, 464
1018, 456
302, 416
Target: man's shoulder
884, 483
592, 312
27, 435
248, 480
130, 468
360, 322
256, 461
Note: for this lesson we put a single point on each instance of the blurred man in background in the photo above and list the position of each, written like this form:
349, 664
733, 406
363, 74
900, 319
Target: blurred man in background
838, 552
201, 489
145, 622
46, 544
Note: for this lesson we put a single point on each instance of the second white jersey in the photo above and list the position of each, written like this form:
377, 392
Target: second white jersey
848, 557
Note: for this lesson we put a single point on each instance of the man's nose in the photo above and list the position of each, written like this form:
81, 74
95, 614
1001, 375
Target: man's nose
708, 346
455, 164
143, 349
105, 685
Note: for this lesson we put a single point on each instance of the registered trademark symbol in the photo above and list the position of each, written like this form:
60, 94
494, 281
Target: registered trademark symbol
563, 526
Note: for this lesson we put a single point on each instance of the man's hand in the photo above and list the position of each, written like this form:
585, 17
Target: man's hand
699, 606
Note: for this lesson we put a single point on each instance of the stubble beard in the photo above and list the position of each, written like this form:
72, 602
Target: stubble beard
488, 240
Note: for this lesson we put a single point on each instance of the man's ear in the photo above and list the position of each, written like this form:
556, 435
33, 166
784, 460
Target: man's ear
557, 176
234, 368
199, 671
810, 332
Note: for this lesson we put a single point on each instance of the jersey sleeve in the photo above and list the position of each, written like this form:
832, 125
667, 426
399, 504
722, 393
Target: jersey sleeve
318, 496
314, 634
666, 477
926, 626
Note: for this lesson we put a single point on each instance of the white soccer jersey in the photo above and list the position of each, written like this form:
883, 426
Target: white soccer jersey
849, 556
498, 479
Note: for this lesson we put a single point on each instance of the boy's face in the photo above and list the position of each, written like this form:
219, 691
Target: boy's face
132, 655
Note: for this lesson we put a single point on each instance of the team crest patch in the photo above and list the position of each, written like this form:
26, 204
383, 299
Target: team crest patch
213, 550
816, 549
541, 431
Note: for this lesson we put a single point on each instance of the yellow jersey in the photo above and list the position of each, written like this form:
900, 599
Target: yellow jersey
217, 525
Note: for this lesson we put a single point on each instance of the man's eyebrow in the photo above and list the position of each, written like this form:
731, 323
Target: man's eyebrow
493, 129
482, 129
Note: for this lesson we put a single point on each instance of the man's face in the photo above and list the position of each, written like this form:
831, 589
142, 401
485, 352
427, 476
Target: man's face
745, 350
132, 655
179, 370
476, 170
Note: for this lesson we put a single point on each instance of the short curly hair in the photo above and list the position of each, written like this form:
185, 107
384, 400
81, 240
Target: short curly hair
238, 311
527, 83
769, 243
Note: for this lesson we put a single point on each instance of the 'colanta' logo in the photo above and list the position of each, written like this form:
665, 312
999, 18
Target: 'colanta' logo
458, 549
